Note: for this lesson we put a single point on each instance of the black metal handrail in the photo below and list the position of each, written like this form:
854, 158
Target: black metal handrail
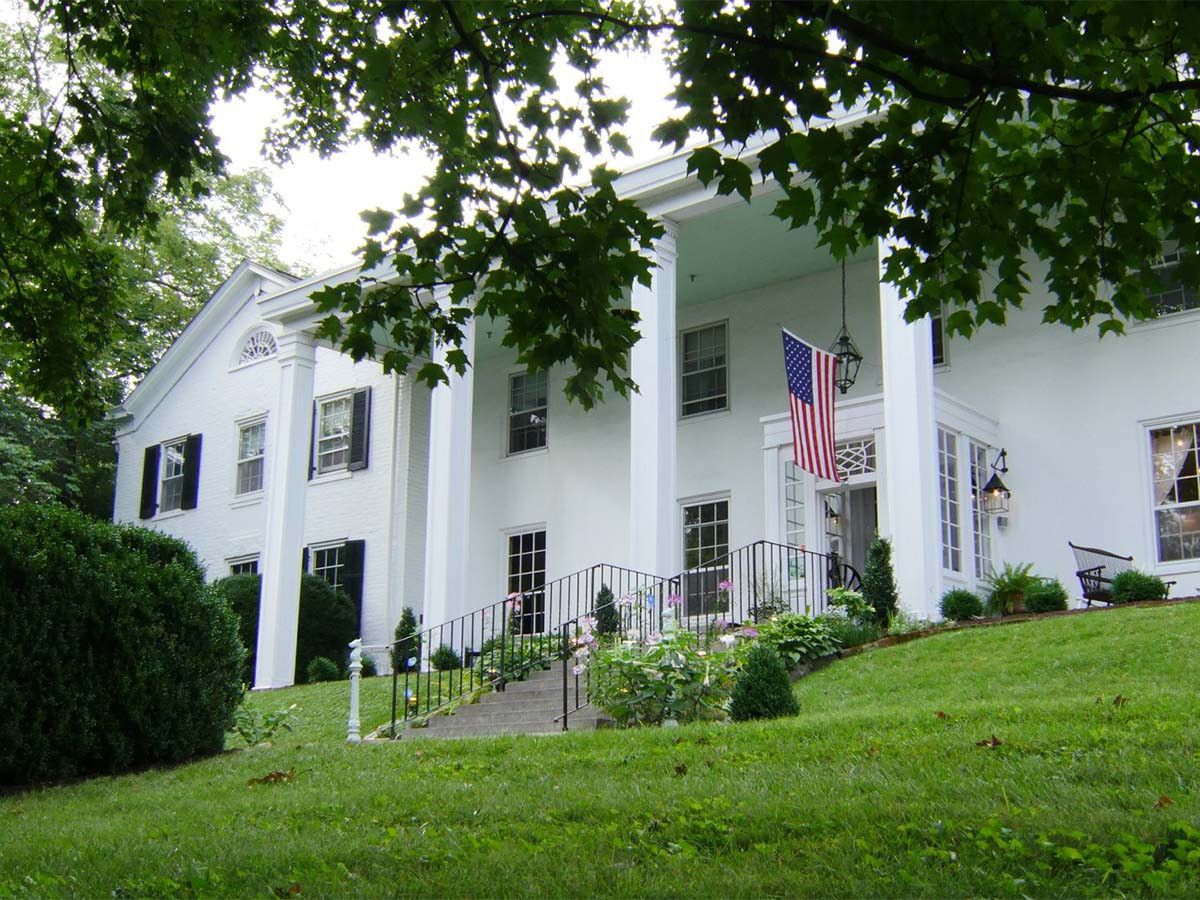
498, 643
745, 586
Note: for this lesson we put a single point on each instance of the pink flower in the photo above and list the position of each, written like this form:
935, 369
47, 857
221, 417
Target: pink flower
627, 600
750, 631
655, 638
725, 586
674, 600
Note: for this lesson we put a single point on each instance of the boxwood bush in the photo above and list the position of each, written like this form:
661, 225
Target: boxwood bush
960, 604
328, 621
1133, 586
763, 689
1049, 596
113, 651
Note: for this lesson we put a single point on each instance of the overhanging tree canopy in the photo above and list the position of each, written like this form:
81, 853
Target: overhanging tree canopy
997, 132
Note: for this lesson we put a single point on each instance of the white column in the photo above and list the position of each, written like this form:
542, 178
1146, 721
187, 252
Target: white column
910, 459
447, 532
654, 525
286, 485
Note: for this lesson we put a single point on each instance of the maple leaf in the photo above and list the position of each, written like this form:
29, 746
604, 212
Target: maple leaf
990, 743
1163, 802
942, 715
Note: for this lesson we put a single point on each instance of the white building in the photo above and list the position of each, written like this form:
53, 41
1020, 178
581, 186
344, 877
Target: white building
446, 500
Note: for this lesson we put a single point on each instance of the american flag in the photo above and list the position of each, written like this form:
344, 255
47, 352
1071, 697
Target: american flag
810, 388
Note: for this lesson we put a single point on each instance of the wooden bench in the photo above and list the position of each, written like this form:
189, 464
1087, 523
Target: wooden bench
1097, 569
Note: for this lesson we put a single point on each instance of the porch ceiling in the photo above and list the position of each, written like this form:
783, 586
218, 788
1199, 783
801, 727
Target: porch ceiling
743, 247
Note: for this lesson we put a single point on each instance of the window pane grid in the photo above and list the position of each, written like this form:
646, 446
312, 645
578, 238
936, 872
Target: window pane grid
704, 366
171, 495
1173, 296
855, 457
705, 540
794, 523
244, 567
250, 457
527, 411
327, 564
948, 500
527, 576
333, 435
981, 523
1175, 470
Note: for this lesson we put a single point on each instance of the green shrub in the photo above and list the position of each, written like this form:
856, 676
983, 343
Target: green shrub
1133, 586
1007, 585
256, 728
113, 651
327, 624
671, 679
322, 668
369, 667
849, 633
445, 659
763, 689
797, 639
879, 582
960, 604
406, 649
521, 656
1049, 596
608, 617
852, 604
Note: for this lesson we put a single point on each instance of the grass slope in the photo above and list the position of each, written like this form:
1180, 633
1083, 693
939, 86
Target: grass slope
878, 787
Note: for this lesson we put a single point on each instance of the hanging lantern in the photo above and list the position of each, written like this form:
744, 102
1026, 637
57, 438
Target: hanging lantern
995, 497
843, 349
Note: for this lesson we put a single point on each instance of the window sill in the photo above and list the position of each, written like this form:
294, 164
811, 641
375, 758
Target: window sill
1184, 317
1177, 567
169, 514
250, 499
526, 454
712, 414
336, 475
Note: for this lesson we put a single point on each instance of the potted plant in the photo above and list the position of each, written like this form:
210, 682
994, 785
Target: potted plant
1008, 588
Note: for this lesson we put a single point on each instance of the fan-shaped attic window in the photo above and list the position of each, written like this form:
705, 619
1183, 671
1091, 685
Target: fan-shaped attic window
260, 345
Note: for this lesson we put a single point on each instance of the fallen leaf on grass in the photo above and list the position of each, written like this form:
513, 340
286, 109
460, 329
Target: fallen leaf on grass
1163, 802
681, 769
991, 743
273, 778
942, 715
1119, 700
290, 891
874, 751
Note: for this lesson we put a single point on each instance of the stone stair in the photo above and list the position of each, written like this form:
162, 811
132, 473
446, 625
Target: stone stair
523, 707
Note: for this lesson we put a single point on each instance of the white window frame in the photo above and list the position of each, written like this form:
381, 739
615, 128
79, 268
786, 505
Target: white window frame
543, 412
949, 500
319, 466
682, 375
1164, 264
240, 461
937, 326
709, 601
172, 472
236, 562
1184, 563
537, 613
981, 520
319, 569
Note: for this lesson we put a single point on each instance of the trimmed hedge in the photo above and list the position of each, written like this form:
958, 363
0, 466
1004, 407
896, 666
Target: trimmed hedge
960, 604
763, 689
113, 651
328, 621
1134, 586
1049, 596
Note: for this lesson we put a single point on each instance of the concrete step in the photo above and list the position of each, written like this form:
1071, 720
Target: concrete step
510, 709
480, 729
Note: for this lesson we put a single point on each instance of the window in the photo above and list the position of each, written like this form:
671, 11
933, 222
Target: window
244, 565
260, 345
703, 363
1173, 297
1174, 468
855, 457
937, 335
328, 563
333, 434
981, 522
794, 524
526, 412
170, 495
705, 541
948, 497
170, 476
527, 577
251, 440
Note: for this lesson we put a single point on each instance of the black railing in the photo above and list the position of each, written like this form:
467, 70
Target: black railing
746, 586
499, 643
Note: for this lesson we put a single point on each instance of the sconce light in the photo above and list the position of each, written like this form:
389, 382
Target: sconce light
848, 359
995, 495
833, 522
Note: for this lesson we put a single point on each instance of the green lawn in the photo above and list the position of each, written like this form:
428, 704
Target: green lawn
878, 787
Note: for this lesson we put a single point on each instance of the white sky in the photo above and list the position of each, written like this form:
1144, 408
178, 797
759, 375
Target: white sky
325, 196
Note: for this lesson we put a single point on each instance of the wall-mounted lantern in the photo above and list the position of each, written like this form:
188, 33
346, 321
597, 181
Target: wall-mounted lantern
996, 495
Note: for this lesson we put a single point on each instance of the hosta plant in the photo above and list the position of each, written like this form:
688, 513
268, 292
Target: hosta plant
797, 639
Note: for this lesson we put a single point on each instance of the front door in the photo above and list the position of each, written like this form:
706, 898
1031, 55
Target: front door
851, 520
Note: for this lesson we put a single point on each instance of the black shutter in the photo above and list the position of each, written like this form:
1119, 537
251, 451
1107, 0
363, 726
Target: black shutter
360, 428
312, 441
150, 482
304, 562
191, 470
352, 575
